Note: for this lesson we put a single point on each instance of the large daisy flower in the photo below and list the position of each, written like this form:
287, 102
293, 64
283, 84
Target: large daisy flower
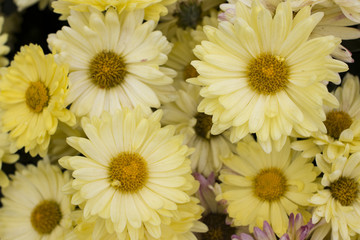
262, 187
183, 114
342, 124
133, 173
153, 8
33, 92
261, 74
339, 201
34, 206
114, 61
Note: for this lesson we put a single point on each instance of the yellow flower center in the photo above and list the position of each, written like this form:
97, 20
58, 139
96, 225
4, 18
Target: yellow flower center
203, 125
218, 229
128, 172
107, 69
345, 190
37, 96
268, 74
336, 122
270, 184
190, 72
46, 216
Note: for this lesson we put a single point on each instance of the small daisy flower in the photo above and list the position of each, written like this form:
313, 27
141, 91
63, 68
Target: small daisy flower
133, 173
256, 79
114, 63
339, 201
33, 93
34, 207
183, 114
3, 48
23, 4
342, 124
262, 187
153, 8
6, 156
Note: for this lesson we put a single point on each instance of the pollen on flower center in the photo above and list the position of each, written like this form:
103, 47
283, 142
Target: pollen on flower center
189, 14
128, 172
37, 96
268, 74
270, 184
336, 122
218, 229
190, 72
46, 216
107, 69
345, 190
203, 125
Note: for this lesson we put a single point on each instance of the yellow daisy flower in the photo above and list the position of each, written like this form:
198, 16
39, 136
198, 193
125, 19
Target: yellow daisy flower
342, 124
133, 172
153, 8
33, 92
6, 156
34, 206
262, 75
262, 187
208, 148
3, 48
339, 201
114, 63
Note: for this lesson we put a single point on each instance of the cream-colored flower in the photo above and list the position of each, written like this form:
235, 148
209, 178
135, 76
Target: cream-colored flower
342, 125
339, 201
153, 8
350, 8
33, 93
259, 79
183, 114
114, 62
133, 173
34, 206
23, 4
262, 187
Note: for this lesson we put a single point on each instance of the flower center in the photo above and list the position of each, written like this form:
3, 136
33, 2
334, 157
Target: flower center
336, 122
203, 125
218, 229
37, 96
189, 14
270, 184
190, 72
128, 172
344, 190
46, 216
107, 69
268, 74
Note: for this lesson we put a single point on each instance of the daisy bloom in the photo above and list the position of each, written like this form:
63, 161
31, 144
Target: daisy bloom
3, 48
350, 8
339, 201
6, 156
34, 207
114, 62
23, 4
208, 148
258, 79
342, 124
153, 8
33, 93
262, 187
133, 173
